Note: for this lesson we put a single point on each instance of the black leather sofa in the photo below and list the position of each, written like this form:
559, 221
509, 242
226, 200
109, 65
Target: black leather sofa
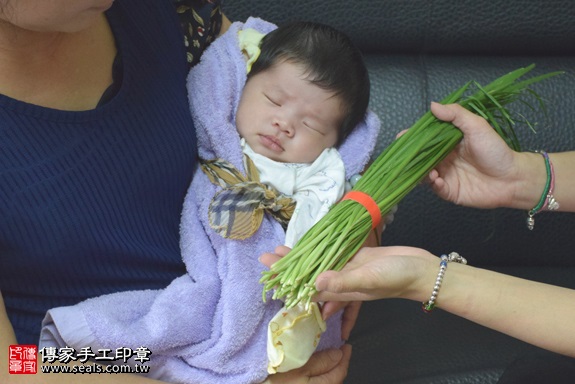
418, 51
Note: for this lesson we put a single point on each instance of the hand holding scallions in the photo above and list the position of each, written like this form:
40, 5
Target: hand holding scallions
330, 243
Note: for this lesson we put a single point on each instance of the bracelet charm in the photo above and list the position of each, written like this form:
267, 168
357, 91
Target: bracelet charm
454, 257
547, 200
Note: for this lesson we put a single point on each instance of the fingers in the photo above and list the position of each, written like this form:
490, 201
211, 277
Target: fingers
346, 285
323, 361
282, 250
332, 370
329, 297
350, 316
433, 175
324, 367
329, 308
348, 281
463, 119
269, 258
442, 112
339, 282
438, 185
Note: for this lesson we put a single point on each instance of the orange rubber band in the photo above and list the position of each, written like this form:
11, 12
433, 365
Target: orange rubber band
368, 203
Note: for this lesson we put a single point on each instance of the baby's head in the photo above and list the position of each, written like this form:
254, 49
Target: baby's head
307, 91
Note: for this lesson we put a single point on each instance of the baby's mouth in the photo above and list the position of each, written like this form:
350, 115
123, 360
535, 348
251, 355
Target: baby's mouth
271, 142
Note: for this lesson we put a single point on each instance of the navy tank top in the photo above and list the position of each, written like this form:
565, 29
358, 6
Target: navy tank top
90, 201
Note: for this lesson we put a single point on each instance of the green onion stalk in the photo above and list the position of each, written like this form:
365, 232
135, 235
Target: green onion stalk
334, 239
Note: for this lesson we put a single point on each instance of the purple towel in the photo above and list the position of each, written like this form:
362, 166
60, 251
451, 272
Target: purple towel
210, 325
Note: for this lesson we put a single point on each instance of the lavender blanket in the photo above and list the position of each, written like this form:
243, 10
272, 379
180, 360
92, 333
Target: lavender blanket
208, 326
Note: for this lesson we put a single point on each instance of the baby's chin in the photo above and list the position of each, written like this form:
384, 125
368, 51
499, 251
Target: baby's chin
288, 157
272, 156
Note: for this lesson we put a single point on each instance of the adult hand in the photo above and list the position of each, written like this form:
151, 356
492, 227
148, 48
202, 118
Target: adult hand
351, 309
478, 172
324, 367
377, 273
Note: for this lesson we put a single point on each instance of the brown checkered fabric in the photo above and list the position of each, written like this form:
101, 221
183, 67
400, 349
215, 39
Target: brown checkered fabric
236, 212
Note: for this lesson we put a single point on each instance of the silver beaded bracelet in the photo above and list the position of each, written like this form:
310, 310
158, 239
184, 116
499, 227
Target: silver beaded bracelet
429, 305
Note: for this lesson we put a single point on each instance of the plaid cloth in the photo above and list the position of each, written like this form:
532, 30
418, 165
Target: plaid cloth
237, 211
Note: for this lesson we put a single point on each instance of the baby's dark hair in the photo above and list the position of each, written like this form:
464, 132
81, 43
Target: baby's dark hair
331, 60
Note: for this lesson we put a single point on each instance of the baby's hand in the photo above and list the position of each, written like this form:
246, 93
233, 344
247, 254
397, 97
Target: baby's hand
269, 258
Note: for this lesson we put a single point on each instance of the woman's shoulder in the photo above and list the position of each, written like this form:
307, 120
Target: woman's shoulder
201, 21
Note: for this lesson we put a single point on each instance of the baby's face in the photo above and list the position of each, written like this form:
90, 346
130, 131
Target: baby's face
286, 118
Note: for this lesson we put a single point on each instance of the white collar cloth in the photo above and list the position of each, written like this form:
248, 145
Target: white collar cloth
315, 187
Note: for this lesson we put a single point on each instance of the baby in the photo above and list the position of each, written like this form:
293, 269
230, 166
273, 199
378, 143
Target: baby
267, 142
307, 89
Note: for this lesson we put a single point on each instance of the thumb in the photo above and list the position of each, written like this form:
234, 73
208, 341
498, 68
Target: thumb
456, 115
442, 112
339, 282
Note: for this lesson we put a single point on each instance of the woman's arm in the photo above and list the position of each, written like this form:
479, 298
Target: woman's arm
536, 313
564, 192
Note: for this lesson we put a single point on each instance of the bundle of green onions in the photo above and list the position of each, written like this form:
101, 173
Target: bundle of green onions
333, 240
